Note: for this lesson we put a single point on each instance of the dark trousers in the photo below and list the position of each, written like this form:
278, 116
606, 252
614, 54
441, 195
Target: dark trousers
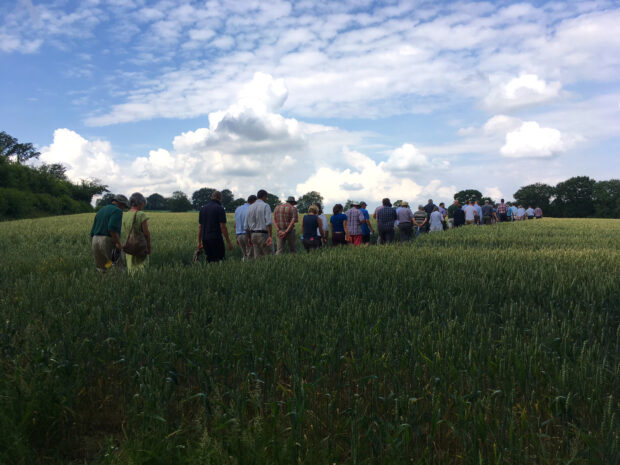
386, 235
214, 248
406, 231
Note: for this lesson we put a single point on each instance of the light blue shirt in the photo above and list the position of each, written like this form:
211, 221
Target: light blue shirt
240, 213
478, 209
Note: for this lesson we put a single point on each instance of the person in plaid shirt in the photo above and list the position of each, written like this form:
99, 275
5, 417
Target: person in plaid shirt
502, 210
355, 220
285, 216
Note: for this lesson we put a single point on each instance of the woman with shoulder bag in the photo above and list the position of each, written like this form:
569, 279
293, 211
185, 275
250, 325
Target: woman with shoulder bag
137, 246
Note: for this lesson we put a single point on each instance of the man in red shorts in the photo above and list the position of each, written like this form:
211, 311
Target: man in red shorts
355, 220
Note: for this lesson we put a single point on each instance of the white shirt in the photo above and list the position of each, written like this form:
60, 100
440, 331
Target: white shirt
521, 211
325, 226
529, 212
470, 211
258, 216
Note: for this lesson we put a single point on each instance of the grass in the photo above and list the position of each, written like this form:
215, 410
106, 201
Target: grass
479, 345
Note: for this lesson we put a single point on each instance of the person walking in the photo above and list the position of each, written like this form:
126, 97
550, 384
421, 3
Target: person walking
405, 222
285, 216
385, 222
420, 219
538, 213
444, 215
478, 213
529, 213
310, 226
451, 209
106, 233
470, 213
487, 213
137, 224
324, 233
502, 211
520, 213
241, 237
436, 220
429, 208
355, 220
338, 223
458, 216
258, 226
212, 229
367, 226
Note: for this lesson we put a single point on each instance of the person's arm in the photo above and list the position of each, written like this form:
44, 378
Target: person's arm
235, 227
346, 230
224, 230
269, 238
200, 246
147, 235
321, 226
117, 240
291, 225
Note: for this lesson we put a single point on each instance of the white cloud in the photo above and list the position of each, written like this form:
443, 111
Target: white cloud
82, 158
406, 158
530, 140
524, 90
494, 192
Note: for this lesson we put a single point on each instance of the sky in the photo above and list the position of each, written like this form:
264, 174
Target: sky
354, 99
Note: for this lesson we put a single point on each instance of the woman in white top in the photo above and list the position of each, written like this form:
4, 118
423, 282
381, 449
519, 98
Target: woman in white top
436, 220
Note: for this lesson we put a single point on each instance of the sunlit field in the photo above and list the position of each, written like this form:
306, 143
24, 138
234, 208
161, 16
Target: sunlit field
482, 345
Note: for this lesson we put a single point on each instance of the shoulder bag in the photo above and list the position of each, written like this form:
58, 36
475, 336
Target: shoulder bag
136, 243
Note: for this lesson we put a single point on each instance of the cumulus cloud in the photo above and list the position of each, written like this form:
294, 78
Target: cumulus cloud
531, 140
525, 90
82, 158
406, 158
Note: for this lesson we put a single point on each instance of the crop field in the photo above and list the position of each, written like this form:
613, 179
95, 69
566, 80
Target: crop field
482, 345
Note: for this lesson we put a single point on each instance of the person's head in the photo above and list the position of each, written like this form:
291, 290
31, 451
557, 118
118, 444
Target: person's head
313, 210
456, 202
121, 201
216, 195
502, 200
471, 202
137, 201
291, 200
430, 201
355, 204
261, 194
420, 207
436, 209
486, 202
337, 208
251, 199
404, 204
319, 208
442, 205
476, 202
386, 202
363, 204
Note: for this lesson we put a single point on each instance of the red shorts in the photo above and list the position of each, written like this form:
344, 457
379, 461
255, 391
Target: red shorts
357, 239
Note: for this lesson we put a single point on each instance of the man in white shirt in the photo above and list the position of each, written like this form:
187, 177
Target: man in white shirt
258, 226
470, 213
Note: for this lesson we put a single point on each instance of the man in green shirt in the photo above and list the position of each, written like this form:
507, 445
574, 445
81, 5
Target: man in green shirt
451, 209
106, 232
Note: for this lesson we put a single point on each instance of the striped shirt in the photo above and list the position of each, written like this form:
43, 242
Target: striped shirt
355, 217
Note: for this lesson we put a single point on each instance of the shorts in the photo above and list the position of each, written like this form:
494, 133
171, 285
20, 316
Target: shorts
338, 238
365, 238
356, 239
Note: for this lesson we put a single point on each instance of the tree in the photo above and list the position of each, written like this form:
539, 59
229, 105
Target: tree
607, 199
55, 169
466, 195
105, 200
348, 205
179, 202
227, 199
11, 148
88, 188
575, 197
308, 199
234, 204
273, 201
156, 202
397, 204
201, 197
535, 195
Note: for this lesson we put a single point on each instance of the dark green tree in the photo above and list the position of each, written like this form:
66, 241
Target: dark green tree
535, 195
11, 148
273, 201
574, 198
348, 204
105, 200
156, 202
55, 169
466, 195
179, 202
227, 199
607, 199
86, 189
308, 199
234, 204
201, 197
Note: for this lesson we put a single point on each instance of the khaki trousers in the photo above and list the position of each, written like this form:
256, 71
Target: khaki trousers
290, 239
261, 249
102, 251
246, 250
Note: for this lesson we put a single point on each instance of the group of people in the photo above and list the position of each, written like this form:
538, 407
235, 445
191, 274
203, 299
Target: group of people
254, 224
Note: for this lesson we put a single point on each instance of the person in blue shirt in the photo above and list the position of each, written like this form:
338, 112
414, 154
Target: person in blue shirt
366, 227
338, 223
242, 238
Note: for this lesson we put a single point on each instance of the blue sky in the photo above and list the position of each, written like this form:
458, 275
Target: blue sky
355, 99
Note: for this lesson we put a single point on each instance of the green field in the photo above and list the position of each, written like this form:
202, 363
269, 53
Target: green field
482, 345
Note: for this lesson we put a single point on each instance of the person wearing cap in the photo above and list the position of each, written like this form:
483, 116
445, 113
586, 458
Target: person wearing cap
355, 220
366, 227
212, 229
405, 222
258, 227
285, 216
106, 232
241, 238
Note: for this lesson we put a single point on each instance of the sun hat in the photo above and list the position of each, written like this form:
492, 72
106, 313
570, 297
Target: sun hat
404, 203
120, 198
291, 200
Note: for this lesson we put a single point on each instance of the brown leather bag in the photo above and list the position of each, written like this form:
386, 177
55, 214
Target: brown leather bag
136, 243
